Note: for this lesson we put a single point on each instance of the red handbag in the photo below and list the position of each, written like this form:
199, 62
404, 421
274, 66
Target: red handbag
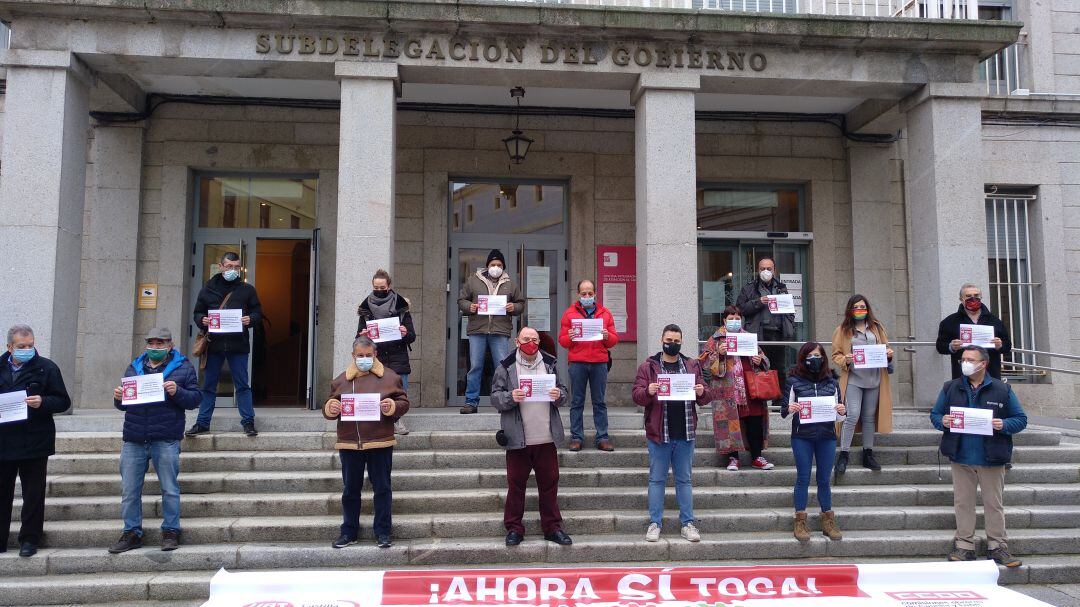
762, 385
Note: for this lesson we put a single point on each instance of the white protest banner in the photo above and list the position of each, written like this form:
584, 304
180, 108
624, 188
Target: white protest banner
384, 329
226, 321
741, 344
13, 407
363, 407
971, 420
675, 386
586, 329
873, 356
977, 335
142, 389
817, 409
782, 304
491, 305
537, 388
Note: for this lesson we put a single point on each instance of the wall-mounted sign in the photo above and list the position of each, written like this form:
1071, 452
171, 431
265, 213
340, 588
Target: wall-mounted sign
616, 287
147, 297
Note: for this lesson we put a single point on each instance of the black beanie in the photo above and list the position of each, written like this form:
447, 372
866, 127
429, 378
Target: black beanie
493, 255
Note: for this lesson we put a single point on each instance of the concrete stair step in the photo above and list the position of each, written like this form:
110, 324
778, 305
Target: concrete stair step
303, 528
462, 479
151, 588
406, 459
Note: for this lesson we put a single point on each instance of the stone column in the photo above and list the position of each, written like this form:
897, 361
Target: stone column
947, 218
665, 209
42, 197
366, 174
110, 260
871, 227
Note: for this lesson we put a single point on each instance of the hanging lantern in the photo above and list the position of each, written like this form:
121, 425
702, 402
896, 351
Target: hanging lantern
517, 145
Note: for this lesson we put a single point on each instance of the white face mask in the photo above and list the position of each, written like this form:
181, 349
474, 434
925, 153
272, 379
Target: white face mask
766, 275
969, 368
495, 271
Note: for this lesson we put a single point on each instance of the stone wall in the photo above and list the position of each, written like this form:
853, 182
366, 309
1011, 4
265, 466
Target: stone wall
1066, 39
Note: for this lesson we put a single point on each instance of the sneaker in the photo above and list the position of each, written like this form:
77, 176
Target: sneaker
733, 464
383, 541
960, 554
196, 430
690, 533
761, 463
129, 540
343, 540
653, 534
399, 428
249, 428
1001, 556
170, 540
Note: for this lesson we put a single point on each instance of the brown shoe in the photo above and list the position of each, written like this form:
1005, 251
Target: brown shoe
829, 528
802, 532
467, 409
605, 445
575, 445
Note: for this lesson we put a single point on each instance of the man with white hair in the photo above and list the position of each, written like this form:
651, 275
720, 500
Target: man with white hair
972, 311
27, 442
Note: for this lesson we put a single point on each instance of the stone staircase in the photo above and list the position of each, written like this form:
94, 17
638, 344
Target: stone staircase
273, 502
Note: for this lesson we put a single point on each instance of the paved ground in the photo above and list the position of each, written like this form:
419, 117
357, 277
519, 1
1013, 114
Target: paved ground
1059, 595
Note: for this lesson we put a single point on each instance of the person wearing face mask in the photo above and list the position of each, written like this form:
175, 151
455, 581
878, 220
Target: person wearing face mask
753, 305
152, 432
367, 444
865, 392
227, 289
979, 461
972, 311
670, 431
384, 302
812, 377
487, 332
739, 422
534, 432
25, 446
589, 364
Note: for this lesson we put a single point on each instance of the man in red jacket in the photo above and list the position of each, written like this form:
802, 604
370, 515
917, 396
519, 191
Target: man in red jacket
587, 330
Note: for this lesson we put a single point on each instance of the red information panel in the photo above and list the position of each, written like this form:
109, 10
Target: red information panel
616, 287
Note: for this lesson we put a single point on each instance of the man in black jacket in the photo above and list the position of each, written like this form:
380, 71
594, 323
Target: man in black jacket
226, 290
972, 312
753, 304
26, 444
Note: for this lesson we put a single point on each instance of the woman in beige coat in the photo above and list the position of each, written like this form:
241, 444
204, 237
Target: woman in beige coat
865, 392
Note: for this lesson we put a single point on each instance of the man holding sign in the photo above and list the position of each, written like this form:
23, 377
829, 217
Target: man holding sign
973, 324
767, 314
527, 393
487, 329
978, 454
158, 388
35, 392
587, 330
365, 399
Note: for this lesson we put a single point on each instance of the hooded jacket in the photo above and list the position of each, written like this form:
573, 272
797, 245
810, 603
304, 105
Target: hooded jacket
587, 351
359, 436
35, 436
162, 421
949, 329
504, 381
244, 298
482, 324
393, 354
654, 407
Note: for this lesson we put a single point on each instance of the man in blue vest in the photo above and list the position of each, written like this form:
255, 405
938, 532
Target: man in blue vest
978, 461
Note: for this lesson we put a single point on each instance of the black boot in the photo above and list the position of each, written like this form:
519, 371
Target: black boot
868, 460
841, 463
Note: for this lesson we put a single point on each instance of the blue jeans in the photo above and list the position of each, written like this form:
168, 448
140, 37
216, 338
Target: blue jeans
678, 456
806, 451
404, 381
134, 460
378, 462
238, 366
479, 344
595, 374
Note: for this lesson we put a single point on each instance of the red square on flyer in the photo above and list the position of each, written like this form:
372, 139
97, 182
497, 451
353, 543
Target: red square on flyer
526, 386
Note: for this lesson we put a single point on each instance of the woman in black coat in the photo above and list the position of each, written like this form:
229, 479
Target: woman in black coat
384, 302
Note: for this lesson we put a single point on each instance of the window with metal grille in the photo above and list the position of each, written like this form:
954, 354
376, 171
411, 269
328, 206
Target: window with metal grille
1011, 290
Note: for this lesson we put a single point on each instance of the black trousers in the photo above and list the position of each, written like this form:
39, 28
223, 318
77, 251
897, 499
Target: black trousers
31, 473
777, 355
753, 431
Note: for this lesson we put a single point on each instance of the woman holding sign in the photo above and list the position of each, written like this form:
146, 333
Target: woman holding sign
739, 421
860, 349
811, 398
386, 319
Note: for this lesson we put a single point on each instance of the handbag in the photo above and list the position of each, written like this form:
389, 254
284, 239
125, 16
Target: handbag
202, 340
762, 385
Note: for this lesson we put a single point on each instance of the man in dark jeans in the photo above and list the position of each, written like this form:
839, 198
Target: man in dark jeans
25, 445
227, 290
753, 304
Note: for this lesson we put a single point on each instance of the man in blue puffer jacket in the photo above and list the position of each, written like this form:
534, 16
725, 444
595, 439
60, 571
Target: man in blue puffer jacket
153, 431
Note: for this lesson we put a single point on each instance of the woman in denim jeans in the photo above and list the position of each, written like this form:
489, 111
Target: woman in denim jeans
812, 377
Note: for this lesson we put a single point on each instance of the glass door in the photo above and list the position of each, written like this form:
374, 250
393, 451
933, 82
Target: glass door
465, 261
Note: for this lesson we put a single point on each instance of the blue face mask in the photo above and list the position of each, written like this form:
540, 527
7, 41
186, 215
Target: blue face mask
365, 363
24, 355
733, 325
230, 275
587, 302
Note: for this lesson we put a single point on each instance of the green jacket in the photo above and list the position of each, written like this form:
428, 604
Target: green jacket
479, 324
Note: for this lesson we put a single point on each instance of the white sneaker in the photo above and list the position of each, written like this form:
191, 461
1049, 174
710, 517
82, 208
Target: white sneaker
399, 428
653, 534
690, 533
733, 464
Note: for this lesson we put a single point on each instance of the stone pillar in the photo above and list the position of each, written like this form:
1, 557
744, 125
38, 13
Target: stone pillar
665, 209
871, 227
42, 193
365, 215
947, 218
111, 253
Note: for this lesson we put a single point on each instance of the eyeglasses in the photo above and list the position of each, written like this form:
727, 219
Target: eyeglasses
529, 341
975, 297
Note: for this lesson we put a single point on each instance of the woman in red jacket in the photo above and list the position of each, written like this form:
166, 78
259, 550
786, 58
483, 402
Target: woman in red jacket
587, 330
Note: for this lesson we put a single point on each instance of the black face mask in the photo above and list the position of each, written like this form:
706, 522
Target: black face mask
814, 364
672, 348
380, 294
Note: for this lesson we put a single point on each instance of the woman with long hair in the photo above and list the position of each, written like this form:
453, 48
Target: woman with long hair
865, 391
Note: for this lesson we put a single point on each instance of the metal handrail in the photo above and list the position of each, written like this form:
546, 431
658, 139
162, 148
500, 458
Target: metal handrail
1050, 354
